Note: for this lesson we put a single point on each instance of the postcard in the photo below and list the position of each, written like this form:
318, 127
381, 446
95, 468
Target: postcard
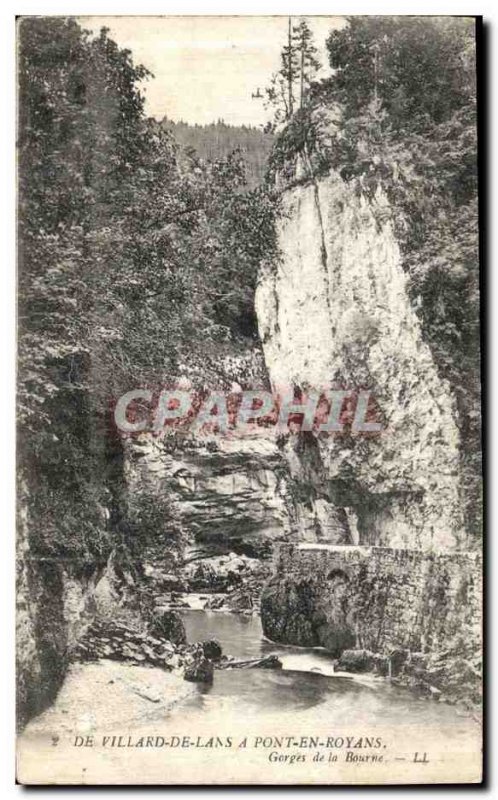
249, 541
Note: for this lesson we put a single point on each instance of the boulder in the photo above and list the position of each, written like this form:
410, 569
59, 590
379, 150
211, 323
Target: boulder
397, 658
357, 661
271, 662
337, 635
215, 602
212, 649
199, 670
168, 625
222, 573
164, 581
239, 601
391, 665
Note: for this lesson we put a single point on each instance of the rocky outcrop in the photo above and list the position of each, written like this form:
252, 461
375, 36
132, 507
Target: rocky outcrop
198, 668
447, 676
361, 661
41, 632
453, 677
58, 599
334, 312
168, 625
121, 642
226, 573
226, 493
55, 606
232, 582
196, 661
212, 649
118, 641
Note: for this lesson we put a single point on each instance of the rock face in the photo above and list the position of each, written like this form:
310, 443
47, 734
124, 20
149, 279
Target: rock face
41, 648
227, 494
335, 313
58, 600
55, 606
357, 661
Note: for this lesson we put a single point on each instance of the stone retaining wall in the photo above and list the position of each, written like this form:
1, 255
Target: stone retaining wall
376, 598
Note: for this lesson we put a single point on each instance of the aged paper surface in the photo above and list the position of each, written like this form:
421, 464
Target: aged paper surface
249, 542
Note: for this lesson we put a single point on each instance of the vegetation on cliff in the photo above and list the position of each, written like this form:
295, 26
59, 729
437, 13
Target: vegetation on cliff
139, 246
399, 113
291, 83
136, 259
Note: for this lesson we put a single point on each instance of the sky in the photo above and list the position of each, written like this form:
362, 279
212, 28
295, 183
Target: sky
206, 68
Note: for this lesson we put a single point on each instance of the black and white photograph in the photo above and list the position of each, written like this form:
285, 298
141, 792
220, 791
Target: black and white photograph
249, 545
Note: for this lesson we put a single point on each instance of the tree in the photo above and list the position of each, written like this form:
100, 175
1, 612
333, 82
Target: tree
299, 66
80, 131
133, 258
422, 69
306, 52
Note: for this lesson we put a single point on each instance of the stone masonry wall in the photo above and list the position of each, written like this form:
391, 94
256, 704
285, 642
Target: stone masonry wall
376, 598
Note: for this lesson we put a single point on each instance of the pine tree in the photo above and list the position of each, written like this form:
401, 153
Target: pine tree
309, 65
299, 66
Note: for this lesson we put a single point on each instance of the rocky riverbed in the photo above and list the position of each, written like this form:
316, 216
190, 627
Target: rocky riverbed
130, 710
162, 644
230, 581
233, 583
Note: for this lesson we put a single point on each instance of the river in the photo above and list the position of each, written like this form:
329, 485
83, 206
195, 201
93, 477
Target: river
306, 681
120, 703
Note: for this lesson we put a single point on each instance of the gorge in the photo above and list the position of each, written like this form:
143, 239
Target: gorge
334, 311
174, 552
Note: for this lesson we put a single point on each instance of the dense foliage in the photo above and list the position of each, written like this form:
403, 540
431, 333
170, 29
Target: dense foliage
136, 255
130, 259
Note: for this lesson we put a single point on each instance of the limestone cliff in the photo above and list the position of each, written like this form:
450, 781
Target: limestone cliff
225, 493
57, 599
335, 312
55, 604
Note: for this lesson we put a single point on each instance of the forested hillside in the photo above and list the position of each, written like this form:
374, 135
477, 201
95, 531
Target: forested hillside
135, 260
219, 140
137, 251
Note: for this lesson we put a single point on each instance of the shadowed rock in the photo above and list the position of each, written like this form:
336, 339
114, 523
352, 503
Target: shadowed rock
212, 649
199, 669
168, 625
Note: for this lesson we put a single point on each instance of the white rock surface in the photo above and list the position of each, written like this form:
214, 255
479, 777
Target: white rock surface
335, 312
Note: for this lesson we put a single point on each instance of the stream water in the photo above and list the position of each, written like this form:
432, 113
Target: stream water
200, 728
306, 682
